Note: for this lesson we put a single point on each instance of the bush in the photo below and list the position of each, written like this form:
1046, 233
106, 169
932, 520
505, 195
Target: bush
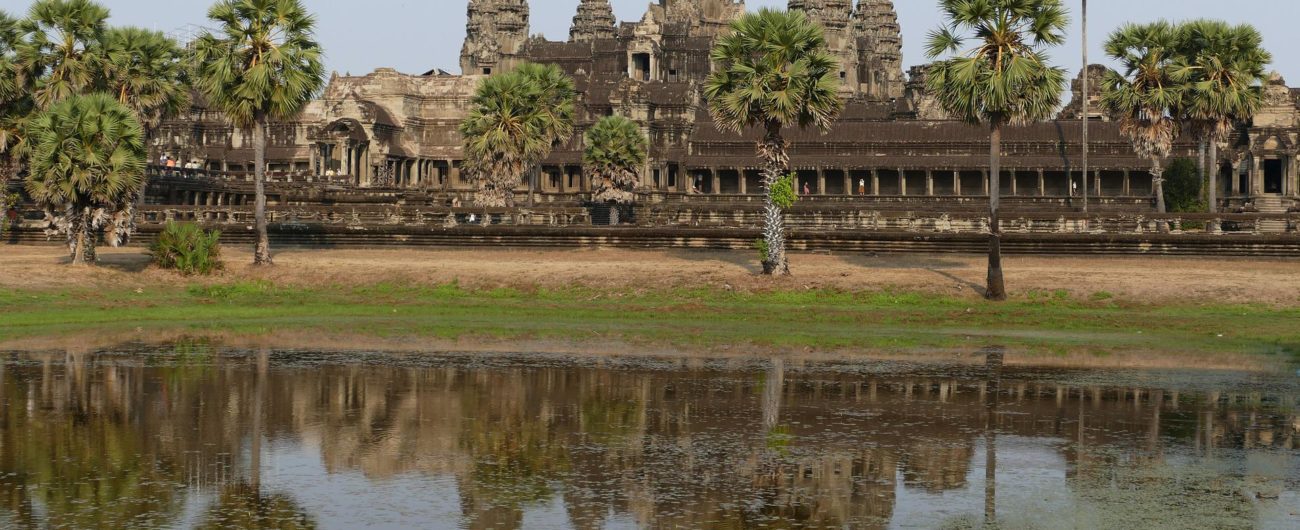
187, 248
783, 193
1183, 187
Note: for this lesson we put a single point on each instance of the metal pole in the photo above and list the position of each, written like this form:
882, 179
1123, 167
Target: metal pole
1086, 95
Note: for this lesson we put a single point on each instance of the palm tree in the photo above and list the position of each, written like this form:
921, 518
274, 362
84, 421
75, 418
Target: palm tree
62, 52
556, 95
515, 120
1005, 79
1148, 95
614, 154
15, 101
262, 65
86, 158
774, 71
1226, 67
147, 72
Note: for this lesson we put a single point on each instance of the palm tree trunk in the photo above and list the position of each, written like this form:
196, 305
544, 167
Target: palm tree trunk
262, 251
997, 288
80, 235
1086, 102
1158, 188
776, 161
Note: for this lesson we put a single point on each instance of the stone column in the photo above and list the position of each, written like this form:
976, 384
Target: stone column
1042, 183
985, 174
848, 183
1015, 186
875, 182
821, 181
902, 182
742, 182
1127, 191
929, 183
1096, 183
956, 183
1257, 177
453, 174
715, 180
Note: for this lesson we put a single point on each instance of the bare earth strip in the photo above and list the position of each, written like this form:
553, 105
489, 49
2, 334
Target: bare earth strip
1150, 280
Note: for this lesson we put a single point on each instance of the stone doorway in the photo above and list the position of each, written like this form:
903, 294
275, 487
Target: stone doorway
1273, 176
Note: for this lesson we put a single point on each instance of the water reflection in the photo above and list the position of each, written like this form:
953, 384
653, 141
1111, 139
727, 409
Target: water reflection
199, 438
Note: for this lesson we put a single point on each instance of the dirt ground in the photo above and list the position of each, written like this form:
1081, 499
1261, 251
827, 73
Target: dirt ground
1275, 282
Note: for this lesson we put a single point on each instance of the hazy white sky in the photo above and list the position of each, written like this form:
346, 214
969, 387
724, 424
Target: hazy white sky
417, 35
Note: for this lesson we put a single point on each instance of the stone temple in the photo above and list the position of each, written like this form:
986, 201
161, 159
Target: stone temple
388, 131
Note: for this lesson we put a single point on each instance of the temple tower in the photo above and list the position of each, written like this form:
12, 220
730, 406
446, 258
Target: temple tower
495, 33
836, 16
880, 49
595, 20
707, 18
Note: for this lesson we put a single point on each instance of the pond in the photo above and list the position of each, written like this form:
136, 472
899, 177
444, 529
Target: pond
192, 436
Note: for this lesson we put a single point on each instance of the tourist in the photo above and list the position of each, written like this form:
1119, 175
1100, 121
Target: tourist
806, 191
862, 186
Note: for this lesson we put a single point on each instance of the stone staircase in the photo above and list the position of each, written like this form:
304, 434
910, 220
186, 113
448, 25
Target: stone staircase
1271, 204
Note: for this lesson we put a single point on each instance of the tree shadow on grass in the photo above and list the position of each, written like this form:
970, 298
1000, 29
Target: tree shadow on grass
747, 260
936, 265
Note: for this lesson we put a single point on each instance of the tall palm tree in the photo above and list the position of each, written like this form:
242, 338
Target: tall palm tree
62, 51
774, 71
1148, 95
556, 96
613, 156
1004, 79
263, 64
515, 120
147, 72
1225, 65
86, 157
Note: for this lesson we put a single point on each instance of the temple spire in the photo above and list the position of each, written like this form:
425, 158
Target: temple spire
594, 20
495, 34
880, 48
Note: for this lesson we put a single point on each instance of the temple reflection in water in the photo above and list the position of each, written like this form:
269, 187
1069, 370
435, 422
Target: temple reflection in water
195, 437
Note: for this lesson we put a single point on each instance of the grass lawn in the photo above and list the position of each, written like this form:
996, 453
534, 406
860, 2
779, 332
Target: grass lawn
1040, 323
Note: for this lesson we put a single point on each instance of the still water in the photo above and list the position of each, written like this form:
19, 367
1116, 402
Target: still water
196, 437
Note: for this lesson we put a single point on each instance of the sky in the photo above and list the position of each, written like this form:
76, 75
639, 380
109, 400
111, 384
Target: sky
415, 36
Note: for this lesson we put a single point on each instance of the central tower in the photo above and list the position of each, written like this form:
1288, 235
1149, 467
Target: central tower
495, 34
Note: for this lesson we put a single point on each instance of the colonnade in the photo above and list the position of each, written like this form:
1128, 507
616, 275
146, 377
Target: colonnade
722, 180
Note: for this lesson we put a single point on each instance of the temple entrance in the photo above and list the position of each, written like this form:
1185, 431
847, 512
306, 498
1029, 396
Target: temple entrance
1272, 176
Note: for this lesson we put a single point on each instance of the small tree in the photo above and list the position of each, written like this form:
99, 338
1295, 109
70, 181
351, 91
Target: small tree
614, 154
515, 120
773, 71
1148, 94
1183, 186
263, 64
1005, 79
86, 160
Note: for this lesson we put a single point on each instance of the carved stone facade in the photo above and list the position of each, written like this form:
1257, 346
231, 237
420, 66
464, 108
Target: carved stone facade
387, 130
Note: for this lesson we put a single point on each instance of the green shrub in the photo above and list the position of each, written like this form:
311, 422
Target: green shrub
783, 194
188, 248
1183, 186
760, 244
